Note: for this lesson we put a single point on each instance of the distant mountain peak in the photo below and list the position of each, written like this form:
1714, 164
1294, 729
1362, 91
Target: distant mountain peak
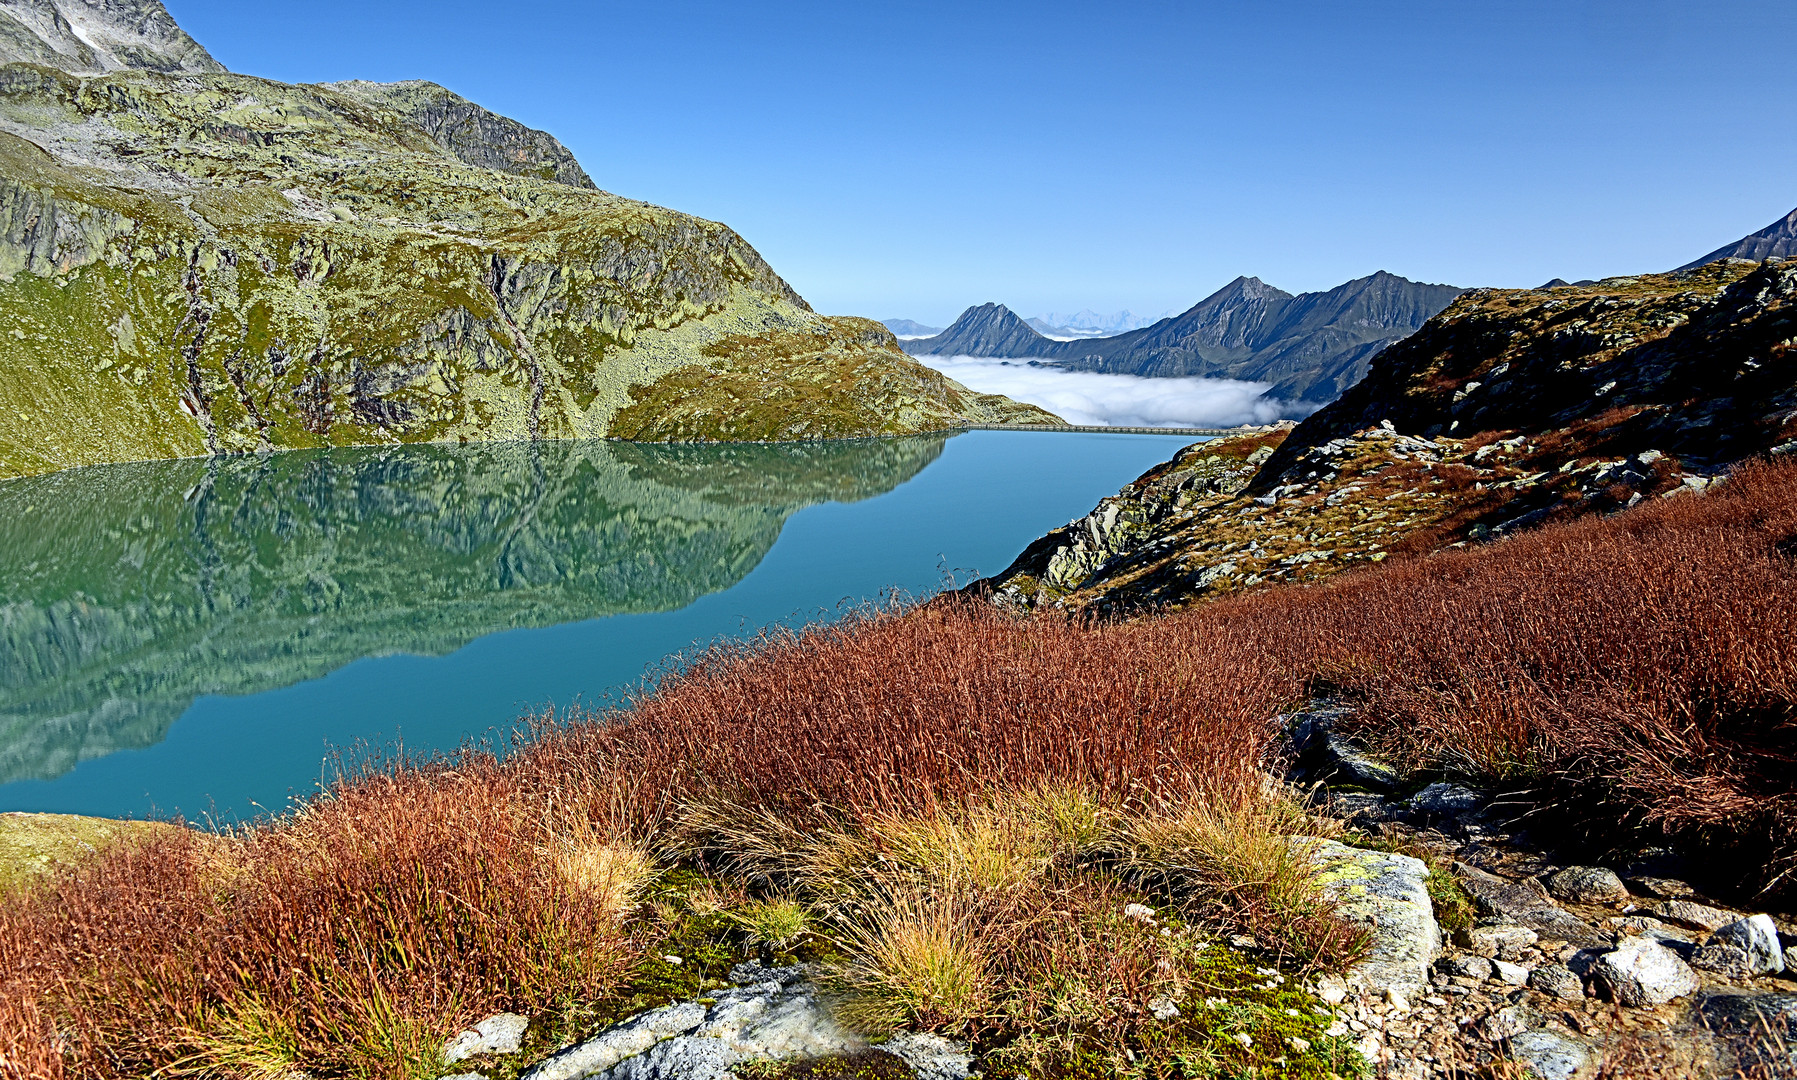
984, 330
92, 37
1775, 241
1311, 346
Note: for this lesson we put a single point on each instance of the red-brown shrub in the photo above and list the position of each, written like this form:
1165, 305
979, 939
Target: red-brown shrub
1637, 669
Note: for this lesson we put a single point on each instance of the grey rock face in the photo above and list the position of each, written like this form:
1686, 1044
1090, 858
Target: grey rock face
985, 330
1587, 885
1777, 240
1643, 972
89, 37
1756, 937
1311, 346
1446, 799
1759, 1030
502, 1033
1386, 892
635, 1036
475, 135
1523, 905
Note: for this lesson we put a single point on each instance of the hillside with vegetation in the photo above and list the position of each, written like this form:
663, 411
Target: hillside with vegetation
1510, 409
195, 262
1448, 736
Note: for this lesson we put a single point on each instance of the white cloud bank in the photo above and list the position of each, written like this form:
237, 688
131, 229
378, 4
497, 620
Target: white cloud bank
1087, 398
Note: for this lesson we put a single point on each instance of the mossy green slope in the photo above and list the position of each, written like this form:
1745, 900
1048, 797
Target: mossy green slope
215, 263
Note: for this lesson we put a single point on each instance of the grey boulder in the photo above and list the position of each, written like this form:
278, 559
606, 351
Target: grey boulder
1557, 980
1643, 972
1551, 1055
1756, 939
1587, 885
1446, 799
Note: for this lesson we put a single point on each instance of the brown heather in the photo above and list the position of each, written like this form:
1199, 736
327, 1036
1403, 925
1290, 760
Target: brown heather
1628, 674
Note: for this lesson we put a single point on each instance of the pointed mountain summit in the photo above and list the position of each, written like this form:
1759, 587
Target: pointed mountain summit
1776, 241
92, 37
985, 330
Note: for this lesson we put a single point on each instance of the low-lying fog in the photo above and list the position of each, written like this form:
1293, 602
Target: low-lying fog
1087, 398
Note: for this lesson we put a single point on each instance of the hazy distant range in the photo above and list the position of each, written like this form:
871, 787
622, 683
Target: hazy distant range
1281, 354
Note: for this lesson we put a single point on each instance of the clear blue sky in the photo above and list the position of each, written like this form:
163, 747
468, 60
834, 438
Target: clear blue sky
909, 159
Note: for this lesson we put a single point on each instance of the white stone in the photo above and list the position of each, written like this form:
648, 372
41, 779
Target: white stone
501, 1033
1510, 974
1643, 972
1757, 937
1551, 1055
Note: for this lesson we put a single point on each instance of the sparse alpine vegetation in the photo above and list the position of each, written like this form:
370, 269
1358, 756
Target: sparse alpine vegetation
198, 262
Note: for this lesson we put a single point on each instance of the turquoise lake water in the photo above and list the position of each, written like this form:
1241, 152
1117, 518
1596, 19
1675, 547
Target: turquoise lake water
199, 637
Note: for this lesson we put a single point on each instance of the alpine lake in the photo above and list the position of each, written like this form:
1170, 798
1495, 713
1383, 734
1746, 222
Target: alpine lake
214, 637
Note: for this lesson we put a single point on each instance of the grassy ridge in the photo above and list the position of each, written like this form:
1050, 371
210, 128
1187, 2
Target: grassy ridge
950, 810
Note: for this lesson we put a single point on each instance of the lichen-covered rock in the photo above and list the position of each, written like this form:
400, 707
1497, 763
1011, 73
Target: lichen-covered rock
1446, 800
1557, 980
931, 1057
1325, 754
1694, 915
1551, 1055
1387, 893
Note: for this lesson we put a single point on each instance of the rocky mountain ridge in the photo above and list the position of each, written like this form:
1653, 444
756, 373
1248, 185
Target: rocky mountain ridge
1311, 346
1775, 241
205, 263
91, 37
1512, 408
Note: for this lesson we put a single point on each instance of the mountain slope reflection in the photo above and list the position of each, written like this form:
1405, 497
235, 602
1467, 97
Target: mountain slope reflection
127, 591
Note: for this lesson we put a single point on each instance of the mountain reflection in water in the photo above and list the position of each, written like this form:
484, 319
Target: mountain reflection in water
128, 591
